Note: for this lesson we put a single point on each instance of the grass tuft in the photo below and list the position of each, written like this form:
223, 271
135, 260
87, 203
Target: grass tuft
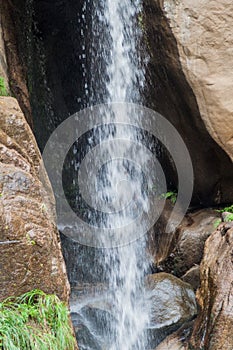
35, 321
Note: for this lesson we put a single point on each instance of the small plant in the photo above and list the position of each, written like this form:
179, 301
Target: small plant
226, 209
3, 89
170, 195
35, 321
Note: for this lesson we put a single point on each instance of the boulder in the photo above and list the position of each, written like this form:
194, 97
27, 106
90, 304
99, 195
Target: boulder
177, 340
214, 325
189, 78
203, 32
172, 303
30, 251
188, 242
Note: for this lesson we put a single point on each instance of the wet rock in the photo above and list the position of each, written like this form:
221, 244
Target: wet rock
172, 303
30, 252
178, 340
213, 327
91, 323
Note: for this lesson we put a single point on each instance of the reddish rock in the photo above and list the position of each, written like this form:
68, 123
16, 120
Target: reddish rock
213, 329
30, 252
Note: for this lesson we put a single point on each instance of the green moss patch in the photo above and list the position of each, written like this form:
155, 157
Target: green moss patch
3, 89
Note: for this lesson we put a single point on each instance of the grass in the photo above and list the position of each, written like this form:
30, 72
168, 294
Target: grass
35, 321
3, 89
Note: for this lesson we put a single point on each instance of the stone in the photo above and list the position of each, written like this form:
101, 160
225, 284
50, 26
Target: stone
189, 241
172, 303
203, 32
192, 277
30, 251
214, 325
91, 318
178, 340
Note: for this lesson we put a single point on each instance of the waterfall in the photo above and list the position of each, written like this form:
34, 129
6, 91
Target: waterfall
116, 36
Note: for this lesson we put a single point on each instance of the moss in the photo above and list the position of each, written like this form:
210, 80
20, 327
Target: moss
33, 321
3, 89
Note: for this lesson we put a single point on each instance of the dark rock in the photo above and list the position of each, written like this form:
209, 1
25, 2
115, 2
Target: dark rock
188, 242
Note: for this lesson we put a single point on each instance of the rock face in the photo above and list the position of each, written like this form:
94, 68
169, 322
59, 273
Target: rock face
16, 73
30, 252
171, 93
203, 31
214, 325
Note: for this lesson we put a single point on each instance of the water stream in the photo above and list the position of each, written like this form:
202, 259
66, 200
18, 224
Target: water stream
115, 314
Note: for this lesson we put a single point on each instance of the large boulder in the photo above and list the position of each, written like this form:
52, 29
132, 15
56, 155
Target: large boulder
203, 32
188, 242
172, 303
189, 79
214, 325
30, 251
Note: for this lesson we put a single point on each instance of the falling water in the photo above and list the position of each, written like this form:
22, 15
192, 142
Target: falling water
115, 42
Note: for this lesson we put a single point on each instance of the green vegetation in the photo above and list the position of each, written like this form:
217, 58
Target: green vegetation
229, 218
35, 321
3, 89
226, 209
217, 222
170, 195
